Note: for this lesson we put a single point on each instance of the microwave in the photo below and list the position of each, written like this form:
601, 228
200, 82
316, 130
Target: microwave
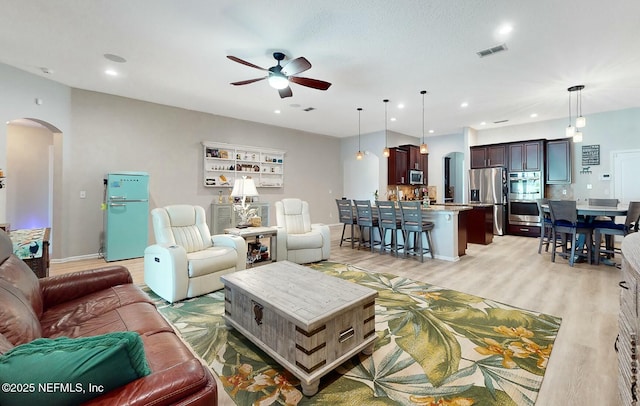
416, 177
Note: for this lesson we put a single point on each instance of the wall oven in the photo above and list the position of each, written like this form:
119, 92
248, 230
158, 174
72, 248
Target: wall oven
524, 189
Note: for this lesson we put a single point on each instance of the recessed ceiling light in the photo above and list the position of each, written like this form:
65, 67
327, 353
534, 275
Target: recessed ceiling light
115, 58
393, 119
533, 115
464, 104
483, 123
277, 111
400, 106
111, 72
431, 131
505, 29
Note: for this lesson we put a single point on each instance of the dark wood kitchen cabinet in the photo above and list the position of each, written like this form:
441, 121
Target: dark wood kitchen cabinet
397, 166
525, 156
416, 160
480, 225
486, 156
558, 162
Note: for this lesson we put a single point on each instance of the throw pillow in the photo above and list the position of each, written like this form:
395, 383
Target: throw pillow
65, 371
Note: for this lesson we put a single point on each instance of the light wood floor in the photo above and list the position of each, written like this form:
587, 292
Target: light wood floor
583, 366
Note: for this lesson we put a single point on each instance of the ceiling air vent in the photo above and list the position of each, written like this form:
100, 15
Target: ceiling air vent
492, 50
500, 122
309, 109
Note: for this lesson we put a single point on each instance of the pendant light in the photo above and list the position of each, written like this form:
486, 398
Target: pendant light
570, 130
359, 155
580, 121
423, 147
385, 151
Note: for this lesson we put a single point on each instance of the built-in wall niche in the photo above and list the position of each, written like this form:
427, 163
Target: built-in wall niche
224, 163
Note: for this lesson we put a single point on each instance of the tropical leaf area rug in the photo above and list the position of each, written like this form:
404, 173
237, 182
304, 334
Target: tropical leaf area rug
435, 346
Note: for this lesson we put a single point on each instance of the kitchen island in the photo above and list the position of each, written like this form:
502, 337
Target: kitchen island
449, 234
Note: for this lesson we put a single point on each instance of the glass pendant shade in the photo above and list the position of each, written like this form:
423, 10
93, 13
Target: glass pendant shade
581, 122
386, 152
577, 137
570, 131
359, 155
424, 149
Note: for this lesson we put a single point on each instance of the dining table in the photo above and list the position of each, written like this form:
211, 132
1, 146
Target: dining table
590, 212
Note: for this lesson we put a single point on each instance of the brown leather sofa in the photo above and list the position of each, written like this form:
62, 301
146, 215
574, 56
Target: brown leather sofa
95, 302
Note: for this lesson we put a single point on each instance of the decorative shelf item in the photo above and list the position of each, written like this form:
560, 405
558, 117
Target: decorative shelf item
224, 163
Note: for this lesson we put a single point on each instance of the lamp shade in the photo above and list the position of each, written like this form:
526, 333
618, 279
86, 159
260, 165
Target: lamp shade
244, 187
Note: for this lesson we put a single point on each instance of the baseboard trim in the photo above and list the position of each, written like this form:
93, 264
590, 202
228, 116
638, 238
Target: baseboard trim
76, 258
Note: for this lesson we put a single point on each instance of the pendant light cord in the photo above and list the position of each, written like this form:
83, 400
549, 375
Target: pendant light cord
359, 111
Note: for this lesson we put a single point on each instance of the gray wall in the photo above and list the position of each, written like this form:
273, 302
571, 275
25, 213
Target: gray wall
102, 133
28, 160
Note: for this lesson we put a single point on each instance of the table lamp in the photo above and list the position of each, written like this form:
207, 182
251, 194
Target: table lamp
244, 188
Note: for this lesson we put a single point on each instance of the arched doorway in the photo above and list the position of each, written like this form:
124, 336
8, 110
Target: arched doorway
33, 160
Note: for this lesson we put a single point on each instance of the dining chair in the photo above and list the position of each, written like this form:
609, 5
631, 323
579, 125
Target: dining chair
564, 217
546, 226
388, 220
611, 229
347, 218
414, 224
367, 223
604, 221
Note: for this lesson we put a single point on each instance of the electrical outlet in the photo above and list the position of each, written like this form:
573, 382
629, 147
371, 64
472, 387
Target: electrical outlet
564, 191
589, 186
83, 194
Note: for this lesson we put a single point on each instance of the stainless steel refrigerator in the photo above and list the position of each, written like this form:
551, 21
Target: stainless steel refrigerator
126, 229
489, 186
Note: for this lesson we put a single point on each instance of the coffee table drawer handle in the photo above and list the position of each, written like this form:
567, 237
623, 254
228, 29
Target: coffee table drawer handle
346, 334
257, 312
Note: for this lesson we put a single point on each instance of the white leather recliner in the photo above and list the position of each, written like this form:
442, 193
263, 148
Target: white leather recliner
300, 241
186, 260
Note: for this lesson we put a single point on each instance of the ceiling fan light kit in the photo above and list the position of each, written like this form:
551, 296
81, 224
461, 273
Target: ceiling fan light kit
279, 77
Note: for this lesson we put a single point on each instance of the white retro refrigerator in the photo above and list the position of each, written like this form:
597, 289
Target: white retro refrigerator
126, 219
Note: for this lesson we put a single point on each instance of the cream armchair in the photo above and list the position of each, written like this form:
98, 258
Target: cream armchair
300, 241
187, 261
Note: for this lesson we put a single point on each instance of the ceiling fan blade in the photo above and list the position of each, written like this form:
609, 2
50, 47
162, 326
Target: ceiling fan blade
286, 92
246, 82
242, 61
313, 83
296, 66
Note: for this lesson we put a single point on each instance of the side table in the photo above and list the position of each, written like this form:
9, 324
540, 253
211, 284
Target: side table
32, 246
257, 233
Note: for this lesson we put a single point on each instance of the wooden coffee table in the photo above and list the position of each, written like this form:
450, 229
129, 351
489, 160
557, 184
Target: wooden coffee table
307, 321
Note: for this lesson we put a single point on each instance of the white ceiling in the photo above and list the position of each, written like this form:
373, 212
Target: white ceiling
369, 50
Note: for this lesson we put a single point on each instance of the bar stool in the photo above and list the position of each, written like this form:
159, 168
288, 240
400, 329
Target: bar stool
413, 223
388, 221
564, 216
366, 222
347, 218
611, 229
604, 222
546, 228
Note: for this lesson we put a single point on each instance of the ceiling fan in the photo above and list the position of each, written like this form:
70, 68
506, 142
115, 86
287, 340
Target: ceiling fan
280, 76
